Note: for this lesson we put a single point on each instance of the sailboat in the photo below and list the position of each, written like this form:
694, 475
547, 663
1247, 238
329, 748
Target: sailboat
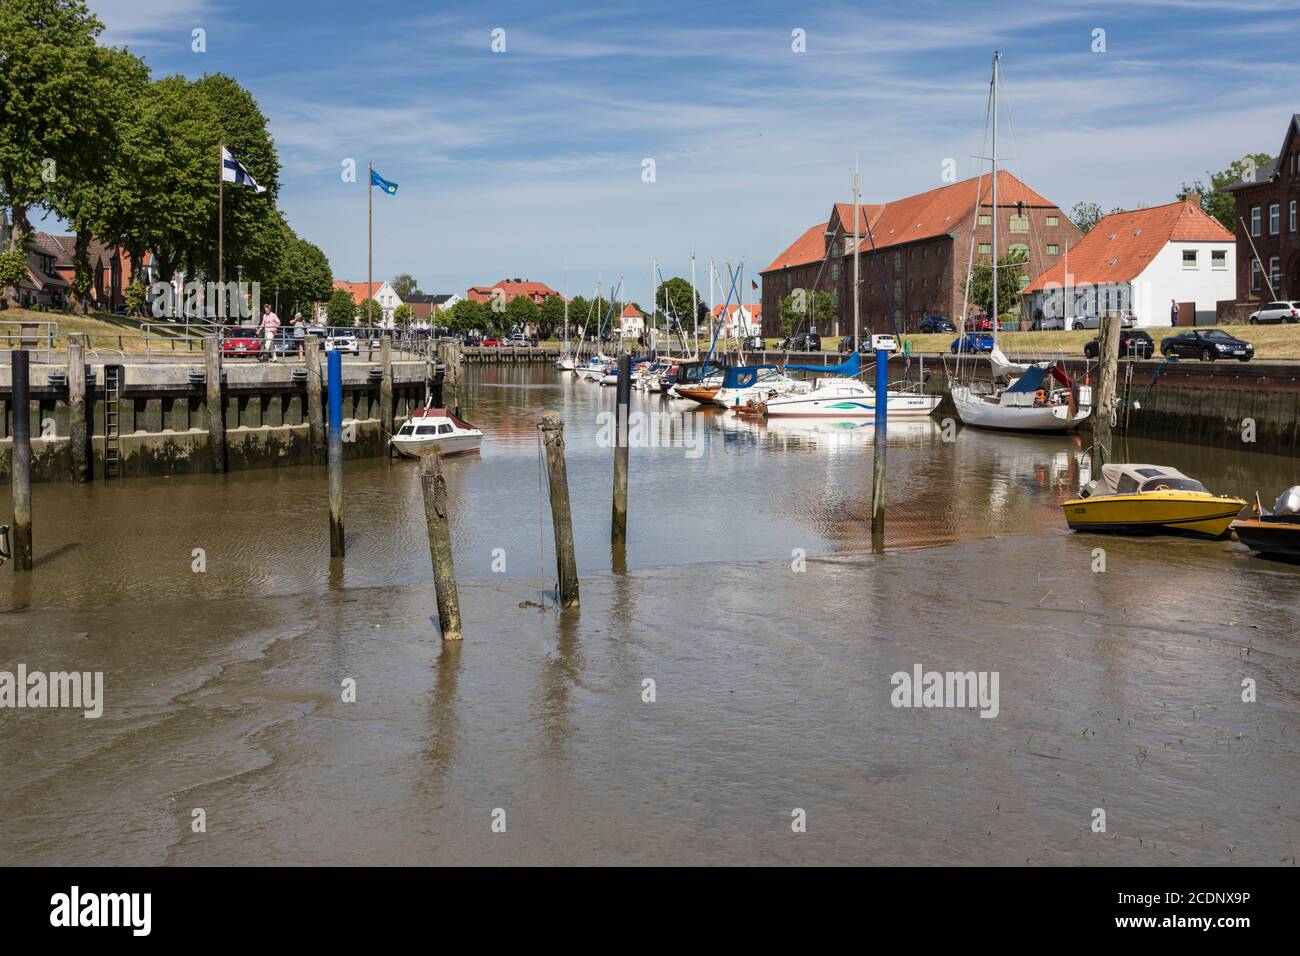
599, 365
1024, 398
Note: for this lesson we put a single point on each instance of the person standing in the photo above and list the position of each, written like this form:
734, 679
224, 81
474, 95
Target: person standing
299, 332
270, 326
1173, 311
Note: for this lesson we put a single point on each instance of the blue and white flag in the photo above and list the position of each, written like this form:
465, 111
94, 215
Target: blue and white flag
382, 183
233, 171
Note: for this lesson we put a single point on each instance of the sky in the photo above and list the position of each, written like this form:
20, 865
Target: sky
531, 162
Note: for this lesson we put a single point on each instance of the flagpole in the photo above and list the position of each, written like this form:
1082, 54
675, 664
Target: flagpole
221, 224
370, 238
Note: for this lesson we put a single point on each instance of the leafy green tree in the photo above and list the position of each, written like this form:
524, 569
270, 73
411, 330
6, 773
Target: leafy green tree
341, 308
551, 318
370, 312
1011, 272
135, 298
1085, 215
674, 296
466, 315
298, 272
402, 315
405, 285
580, 315
521, 313
803, 309
1217, 201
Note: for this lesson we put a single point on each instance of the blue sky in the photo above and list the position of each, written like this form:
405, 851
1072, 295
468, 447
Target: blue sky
526, 162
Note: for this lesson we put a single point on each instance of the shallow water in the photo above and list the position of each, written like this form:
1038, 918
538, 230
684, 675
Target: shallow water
1118, 690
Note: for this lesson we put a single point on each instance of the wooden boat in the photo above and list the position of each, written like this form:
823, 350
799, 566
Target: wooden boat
1275, 533
1042, 399
429, 427
1150, 499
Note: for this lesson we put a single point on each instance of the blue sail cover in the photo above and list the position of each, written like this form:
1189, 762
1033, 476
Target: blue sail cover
742, 376
1030, 381
848, 367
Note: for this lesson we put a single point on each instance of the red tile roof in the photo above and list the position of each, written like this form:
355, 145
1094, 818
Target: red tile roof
1123, 244
923, 216
359, 289
631, 312
512, 288
755, 310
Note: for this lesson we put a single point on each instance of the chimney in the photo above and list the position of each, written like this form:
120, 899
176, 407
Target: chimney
1193, 198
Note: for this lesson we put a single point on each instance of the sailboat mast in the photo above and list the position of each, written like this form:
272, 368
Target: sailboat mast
695, 304
994, 218
857, 342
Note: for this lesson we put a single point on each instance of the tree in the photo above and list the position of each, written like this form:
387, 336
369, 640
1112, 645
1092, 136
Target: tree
1011, 271
341, 309
298, 271
402, 315
405, 285
805, 310
1218, 201
580, 314
521, 314
1085, 215
466, 315
370, 312
551, 318
674, 297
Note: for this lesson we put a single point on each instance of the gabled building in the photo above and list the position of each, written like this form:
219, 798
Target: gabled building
915, 252
509, 289
631, 322
740, 321
424, 306
383, 294
1267, 204
1143, 260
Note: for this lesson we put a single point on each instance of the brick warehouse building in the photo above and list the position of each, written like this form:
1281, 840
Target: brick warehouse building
922, 247
1268, 207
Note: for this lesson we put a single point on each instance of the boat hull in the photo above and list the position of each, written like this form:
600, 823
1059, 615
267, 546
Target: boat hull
1160, 512
1277, 538
896, 406
446, 444
698, 393
974, 411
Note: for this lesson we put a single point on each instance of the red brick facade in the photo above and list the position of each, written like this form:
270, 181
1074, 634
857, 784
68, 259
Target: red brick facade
1269, 208
916, 257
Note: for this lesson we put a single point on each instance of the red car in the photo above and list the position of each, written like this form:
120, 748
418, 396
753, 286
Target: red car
493, 341
979, 323
243, 341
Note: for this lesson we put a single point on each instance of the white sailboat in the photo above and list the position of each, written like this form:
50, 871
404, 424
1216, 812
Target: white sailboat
1034, 398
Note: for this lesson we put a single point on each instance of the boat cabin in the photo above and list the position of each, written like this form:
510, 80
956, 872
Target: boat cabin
1139, 479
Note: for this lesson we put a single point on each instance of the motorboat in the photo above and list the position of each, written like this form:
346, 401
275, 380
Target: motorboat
698, 381
840, 395
1275, 533
430, 427
746, 384
1150, 499
594, 369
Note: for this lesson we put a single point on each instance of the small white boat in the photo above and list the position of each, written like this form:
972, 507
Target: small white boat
566, 363
429, 427
1043, 399
745, 384
837, 397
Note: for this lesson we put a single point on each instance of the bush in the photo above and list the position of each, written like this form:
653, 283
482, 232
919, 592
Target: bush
135, 298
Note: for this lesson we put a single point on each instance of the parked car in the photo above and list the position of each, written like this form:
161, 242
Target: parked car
1047, 323
519, 339
973, 342
1126, 320
846, 344
240, 341
936, 323
1276, 312
1132, 342
754, 343
341, 340
491, 341
803, 342
979, 323
473, 341
1207, 345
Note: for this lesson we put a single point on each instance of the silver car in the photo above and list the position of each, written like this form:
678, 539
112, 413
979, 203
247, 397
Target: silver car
1276, 312
1126, 320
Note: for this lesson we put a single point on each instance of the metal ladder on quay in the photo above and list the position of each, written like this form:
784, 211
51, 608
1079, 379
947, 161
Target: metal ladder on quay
112, 396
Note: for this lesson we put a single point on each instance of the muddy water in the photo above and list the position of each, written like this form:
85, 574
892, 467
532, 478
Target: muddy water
1118, 690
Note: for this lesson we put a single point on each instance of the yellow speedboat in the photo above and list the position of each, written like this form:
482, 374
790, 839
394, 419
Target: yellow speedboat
1150, 499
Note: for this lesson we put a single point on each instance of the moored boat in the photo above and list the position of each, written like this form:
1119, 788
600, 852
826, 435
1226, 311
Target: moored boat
429, 427
1275, 533
1150, 499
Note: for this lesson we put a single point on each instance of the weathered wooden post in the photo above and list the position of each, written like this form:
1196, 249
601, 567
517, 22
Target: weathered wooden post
216, 406
878, 442
386, 387
20, 400
618, 532
315, 411
1103, 406
566, 563
78, 434
439, 529
335, 454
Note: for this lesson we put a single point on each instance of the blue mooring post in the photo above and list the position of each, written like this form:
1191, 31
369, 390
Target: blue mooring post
335, 452
878, 441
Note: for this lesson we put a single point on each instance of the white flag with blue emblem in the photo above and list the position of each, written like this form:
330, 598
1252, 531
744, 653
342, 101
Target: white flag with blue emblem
232, 171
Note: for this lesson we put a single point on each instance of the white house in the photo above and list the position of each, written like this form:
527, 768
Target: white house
631, 322
741, 321
1143, 261
384, 295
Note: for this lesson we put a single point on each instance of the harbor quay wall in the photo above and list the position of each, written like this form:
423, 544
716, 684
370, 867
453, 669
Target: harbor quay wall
162, 416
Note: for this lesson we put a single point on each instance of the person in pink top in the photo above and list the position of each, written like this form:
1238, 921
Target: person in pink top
270, 326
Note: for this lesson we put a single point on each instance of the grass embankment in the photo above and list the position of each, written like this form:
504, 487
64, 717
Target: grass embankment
103, 331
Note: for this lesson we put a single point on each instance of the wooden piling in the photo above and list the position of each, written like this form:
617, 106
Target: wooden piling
78, 434
315, 411
878, 442
566, 563
216, 406
439, 529
20, 400
335, 453
618, 531
1103, 406
386, 387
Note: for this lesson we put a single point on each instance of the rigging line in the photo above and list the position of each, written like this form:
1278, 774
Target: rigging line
974, 225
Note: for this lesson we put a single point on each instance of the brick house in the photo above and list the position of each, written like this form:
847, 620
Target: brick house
423, 306
915, 253
539, 292
1267, 205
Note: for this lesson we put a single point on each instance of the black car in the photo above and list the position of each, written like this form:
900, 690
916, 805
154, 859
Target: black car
1133, 343
937, 323
846, 344
1207, 345
803, 342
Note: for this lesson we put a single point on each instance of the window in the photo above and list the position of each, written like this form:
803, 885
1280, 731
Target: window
835, 271
1293, 215
1254, 275
1189, 258
985, 248
1274, 270
898, 289
898, 261
1053, 220
1127, 485
1018, 224
1019, 249
985, 219
1254, 220
1053, 249
1274, 219
1219, 259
